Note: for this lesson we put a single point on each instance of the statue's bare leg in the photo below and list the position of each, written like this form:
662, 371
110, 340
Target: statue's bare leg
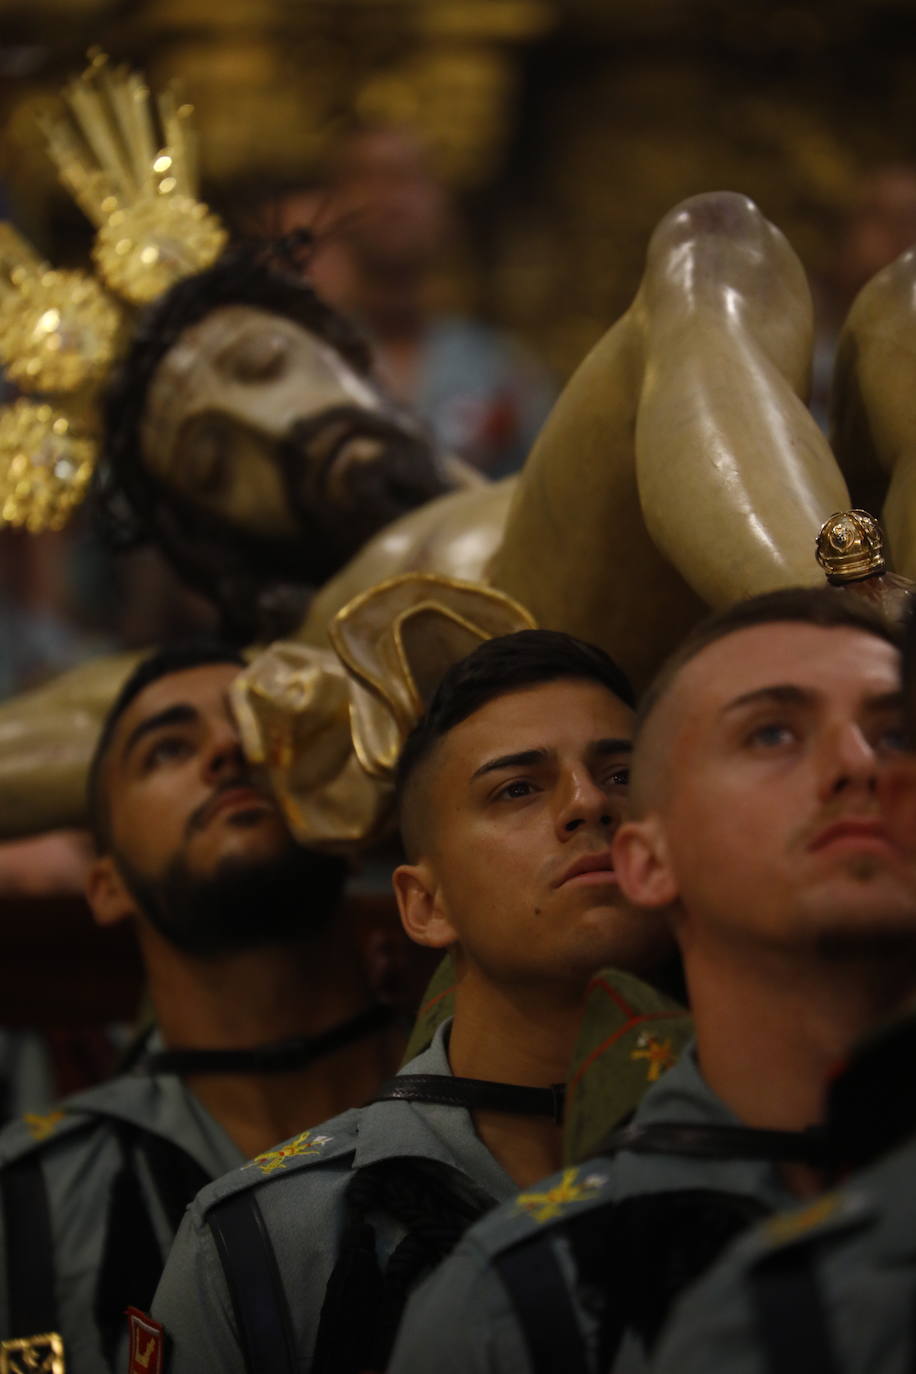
874, 405
680, 467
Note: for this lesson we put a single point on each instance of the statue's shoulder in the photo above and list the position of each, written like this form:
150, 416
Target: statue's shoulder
454, 535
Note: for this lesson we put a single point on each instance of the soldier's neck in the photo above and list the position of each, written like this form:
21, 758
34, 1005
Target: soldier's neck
523, 1035
258, 997
772, 1032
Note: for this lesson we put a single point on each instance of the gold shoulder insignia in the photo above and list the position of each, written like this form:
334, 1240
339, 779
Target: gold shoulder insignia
551, 1203
41, 1126
659, 1054
788, 1226
304, 1144
33, 1355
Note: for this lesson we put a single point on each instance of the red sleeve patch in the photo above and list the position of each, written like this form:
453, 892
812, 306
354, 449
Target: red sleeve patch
147, 1342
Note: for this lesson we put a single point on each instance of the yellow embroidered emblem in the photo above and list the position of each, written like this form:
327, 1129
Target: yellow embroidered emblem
40, 1126
547, 1205
33, 1355
304, 1144
789, 1226
659, 1054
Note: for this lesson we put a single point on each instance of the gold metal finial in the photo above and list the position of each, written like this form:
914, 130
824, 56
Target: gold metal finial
850, 546
58, 330
46, 462
130, 164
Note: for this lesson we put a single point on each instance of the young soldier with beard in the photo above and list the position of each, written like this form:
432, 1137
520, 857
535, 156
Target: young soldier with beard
263, 1019
511, 788
756, 828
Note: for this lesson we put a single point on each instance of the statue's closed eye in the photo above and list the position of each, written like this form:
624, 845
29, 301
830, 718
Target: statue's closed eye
257, 357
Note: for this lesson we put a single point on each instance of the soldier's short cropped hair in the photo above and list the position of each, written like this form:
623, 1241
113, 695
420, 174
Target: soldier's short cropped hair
506, 663
827, 607
175, 658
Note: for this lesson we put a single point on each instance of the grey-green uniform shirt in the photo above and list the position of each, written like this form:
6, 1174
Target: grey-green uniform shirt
79, 1149
300, 1189
463, 1319
845, 1266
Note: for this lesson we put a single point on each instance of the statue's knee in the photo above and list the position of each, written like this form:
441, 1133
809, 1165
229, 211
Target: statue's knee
887, 303
719, 254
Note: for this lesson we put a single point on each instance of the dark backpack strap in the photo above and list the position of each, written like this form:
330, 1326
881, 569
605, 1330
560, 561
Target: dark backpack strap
253, 1275
132, 1254
343, 1343
649, 1248
789, 1318
176, 1175
714, 1140
435, 1205
630, 1259
132, 1258
29, 1244
539, 1291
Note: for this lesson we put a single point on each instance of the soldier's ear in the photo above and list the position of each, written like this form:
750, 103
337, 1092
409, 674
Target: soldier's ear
642, 864
107, 894
420, 904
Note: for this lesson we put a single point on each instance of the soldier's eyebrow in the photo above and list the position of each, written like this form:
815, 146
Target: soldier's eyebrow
180, 714
526, 758
887, 701
530, 758
780, 694
603, 747
787, 694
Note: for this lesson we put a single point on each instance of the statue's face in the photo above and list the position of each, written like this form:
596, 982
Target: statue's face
256, 421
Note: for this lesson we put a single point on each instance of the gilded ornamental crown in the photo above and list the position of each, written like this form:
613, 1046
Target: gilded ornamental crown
850, 546
129, 163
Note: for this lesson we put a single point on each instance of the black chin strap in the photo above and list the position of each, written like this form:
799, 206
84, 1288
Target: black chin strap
697, 1140
279, 1057
477, 1094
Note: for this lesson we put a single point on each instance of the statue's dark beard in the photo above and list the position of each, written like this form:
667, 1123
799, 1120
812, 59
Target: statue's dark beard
339, 516
243, 905
261, 585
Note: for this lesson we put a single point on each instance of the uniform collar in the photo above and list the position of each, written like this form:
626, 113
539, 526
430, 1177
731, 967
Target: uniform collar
162, 1105
429, 1131
683, 1095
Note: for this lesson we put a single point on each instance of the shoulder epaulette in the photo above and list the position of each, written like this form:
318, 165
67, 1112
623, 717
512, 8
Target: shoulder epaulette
828, 1214
572, 1191
35, 1130
335, 1140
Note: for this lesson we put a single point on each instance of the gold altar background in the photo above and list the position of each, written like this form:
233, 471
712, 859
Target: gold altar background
566, 127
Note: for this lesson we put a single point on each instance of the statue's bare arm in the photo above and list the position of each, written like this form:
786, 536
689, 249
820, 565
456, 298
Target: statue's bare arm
46, 741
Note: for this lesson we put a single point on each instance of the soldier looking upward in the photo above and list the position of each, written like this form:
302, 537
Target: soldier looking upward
263, 1018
